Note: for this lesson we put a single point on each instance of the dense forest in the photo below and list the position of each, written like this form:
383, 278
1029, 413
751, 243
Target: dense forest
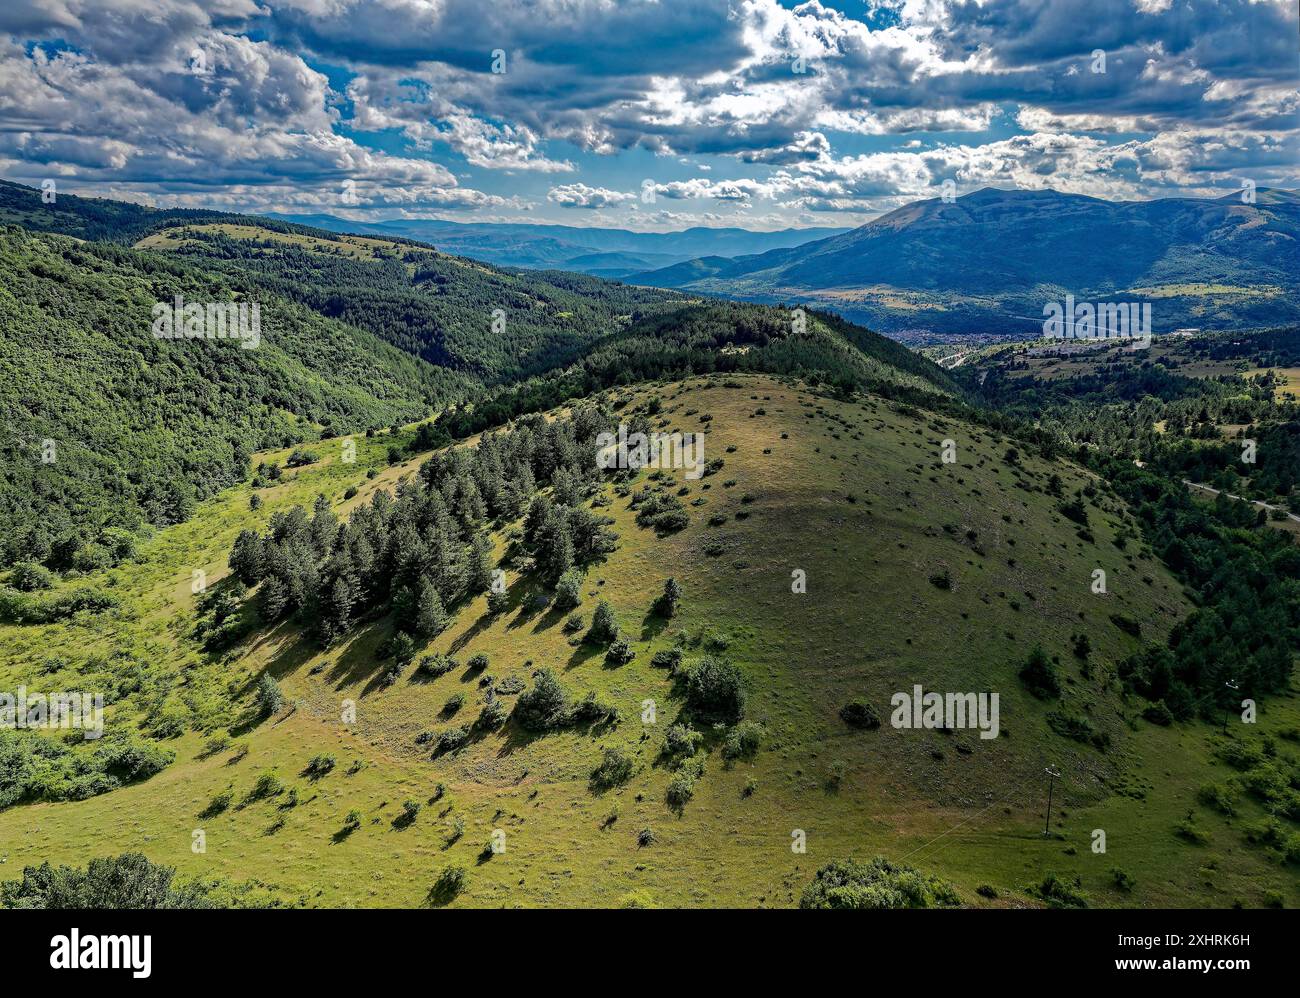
107, 428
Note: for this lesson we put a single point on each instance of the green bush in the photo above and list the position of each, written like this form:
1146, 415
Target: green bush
715, 690
448, 885
681, 740
544, 706
619, 652
1039, 675
437, 665
568, 591
604, 628
860, 714
875, 885
615, 768
743, 741
270, 700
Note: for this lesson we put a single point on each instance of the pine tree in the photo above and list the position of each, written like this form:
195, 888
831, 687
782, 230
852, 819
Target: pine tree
568, 591
480, 565
430, 617
555, 548
539, 510
604, 628
498, 603
671, 598
324, 525
246, 559
272, 600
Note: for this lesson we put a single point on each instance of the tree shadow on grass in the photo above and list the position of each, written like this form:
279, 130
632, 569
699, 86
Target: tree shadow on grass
652, 625
359, 660
583, 652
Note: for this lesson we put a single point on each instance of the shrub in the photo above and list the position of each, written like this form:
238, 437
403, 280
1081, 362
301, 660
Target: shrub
743, 740
714, 690
668, 658
645, 837
568, 591
269, 698
1188, 830
589, 710
28, 577
573, 624
1078, 728
493, 715
681, 740
449, 884
1123, 881
847, 884
680, 790
478, 663
670, 599
604, 628
859, 714
1039, 675
615, 768
437, 665
498, 603
620, 652
454, 703
1158, 713
319, 766
1221, 797
267, 785
544, 706
451, 739
218, 805
1057, 893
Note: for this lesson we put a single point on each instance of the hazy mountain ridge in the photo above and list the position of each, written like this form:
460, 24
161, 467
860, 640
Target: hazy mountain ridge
602, 252
995, 257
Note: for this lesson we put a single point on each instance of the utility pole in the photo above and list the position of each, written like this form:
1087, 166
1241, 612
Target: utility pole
1232, 687
1053, 775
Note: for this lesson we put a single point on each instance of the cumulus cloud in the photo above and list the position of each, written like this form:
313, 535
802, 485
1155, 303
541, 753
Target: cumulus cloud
582, 196
1186, 98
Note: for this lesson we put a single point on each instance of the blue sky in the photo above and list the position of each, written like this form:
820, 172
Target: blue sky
647, 114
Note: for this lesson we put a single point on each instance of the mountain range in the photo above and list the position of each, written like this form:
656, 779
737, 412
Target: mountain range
991, 260
601, 252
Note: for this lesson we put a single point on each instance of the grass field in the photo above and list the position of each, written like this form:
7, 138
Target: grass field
357, 247
854, 494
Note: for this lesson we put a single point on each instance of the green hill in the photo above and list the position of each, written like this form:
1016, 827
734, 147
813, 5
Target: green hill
142, 428
917, 571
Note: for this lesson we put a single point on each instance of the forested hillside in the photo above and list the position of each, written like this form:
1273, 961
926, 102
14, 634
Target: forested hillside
142, 428
359, 333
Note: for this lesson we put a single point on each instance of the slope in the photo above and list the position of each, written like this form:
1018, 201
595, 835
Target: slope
853, 493
142, 427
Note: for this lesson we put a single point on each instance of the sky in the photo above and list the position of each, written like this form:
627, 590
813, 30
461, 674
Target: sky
644, 114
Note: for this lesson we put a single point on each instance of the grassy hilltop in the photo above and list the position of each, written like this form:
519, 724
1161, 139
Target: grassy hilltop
917, 571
